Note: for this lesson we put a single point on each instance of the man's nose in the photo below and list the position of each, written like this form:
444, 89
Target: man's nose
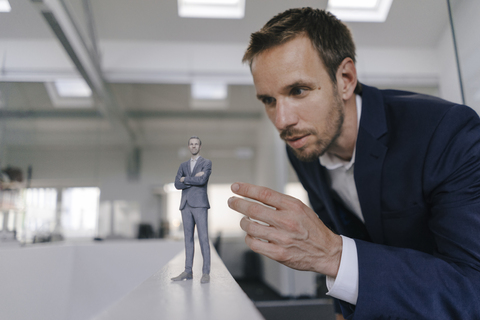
284, 115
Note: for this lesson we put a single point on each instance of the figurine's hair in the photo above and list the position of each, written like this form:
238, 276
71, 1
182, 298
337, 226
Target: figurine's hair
329, 36
194, 137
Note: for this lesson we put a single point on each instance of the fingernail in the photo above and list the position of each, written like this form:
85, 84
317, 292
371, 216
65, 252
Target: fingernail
230, 201
235, 187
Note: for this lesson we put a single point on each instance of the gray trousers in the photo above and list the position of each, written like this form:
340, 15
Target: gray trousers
191, 217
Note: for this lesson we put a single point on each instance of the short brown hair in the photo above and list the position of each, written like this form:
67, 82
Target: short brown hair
195, 137
329, 36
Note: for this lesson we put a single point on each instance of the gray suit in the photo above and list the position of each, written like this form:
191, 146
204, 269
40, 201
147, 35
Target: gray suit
194, 206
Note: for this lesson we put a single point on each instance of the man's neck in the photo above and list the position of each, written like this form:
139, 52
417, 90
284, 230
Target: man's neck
195, 157
345, 143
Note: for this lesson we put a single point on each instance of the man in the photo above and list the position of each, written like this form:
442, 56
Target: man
393, 176
192, 178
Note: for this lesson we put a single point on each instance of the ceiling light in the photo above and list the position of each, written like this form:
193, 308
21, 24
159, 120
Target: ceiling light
220, 9
364, 4
211, 2
360, 10
5, 6
209, 91
73, 88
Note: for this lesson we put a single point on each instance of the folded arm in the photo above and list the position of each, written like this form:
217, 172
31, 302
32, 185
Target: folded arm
200, 179
179, 179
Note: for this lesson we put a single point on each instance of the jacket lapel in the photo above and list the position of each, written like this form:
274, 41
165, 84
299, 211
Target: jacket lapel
345, 222
187, 168
323, 183
369, 159
197, 165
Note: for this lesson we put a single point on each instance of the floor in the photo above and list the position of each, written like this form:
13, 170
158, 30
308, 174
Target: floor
274, 307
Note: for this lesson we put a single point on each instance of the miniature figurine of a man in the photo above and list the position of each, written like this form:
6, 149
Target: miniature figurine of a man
192, 178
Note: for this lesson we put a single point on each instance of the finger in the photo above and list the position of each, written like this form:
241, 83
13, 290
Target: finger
267, 249
264, 233
255, 229
262, 194
251, 209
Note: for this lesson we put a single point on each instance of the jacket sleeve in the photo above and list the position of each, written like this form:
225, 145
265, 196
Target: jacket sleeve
400, 283
200, 181
179, 185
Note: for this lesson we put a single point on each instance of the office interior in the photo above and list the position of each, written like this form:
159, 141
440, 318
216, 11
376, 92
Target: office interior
97, 102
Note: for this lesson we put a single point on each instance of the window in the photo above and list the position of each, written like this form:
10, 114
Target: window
40, 208
75, 217
79, 212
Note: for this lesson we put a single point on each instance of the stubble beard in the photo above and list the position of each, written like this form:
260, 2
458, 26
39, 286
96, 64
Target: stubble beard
336, 118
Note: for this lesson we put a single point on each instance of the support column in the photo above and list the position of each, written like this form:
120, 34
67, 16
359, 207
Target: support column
272, 168
272, 172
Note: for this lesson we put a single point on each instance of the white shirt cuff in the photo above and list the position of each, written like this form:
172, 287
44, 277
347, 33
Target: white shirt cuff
345, 285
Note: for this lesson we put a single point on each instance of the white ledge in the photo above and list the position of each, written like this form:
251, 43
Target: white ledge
161, 298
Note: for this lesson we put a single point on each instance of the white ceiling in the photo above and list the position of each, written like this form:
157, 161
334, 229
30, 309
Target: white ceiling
413, 22
150, 55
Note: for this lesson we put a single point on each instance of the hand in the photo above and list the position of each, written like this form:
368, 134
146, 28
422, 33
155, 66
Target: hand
296, 236
182, 179
201, 173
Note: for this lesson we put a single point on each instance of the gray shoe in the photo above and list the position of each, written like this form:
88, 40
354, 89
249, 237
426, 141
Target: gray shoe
183, 276
205, 278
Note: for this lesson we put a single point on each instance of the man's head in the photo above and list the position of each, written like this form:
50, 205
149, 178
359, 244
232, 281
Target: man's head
194, 144
329, 36
305, 78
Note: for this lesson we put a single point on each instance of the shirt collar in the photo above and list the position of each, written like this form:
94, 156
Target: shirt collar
332, 162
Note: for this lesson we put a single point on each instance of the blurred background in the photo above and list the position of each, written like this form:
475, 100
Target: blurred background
98, 100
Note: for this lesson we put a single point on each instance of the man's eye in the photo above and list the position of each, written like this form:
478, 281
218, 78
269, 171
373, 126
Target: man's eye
267, 100
297, 91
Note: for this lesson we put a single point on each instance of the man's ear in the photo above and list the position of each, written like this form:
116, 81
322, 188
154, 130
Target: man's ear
346, 78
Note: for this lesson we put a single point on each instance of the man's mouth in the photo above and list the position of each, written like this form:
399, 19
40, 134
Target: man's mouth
297, 142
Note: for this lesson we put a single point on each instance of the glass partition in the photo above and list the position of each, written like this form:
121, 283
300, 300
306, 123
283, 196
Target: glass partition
465, 27
127, 138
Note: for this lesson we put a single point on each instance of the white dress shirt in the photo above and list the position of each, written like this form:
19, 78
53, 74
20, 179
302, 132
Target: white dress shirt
345, 285
193, 161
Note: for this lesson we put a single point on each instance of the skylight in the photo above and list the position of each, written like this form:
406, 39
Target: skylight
70, 93
220, 9
209, 95
360, 10
5, 6
73, 88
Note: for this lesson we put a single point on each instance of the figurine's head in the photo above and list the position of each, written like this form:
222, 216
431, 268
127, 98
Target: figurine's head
194, 144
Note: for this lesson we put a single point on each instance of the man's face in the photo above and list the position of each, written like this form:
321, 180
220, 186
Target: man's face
299, 97
194, 146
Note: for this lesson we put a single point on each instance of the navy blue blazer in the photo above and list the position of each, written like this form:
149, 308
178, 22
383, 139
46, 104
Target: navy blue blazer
417, 173
194, 189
